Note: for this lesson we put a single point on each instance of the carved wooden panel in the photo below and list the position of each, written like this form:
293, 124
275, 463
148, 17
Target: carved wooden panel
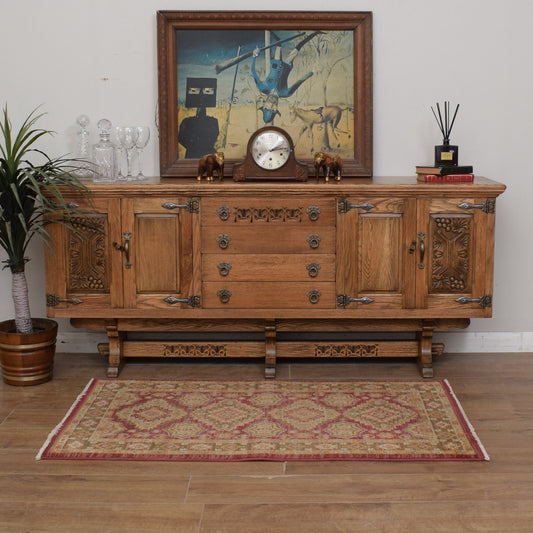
194, 350
346, 350
88, 269
451, 253
268, 214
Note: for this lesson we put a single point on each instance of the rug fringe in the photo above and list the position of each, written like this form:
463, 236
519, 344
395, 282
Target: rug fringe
59, 427
470, 426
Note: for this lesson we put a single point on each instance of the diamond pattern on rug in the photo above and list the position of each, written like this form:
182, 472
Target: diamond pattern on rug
269, 420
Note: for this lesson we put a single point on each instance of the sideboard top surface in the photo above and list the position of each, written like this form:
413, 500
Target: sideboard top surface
401, 186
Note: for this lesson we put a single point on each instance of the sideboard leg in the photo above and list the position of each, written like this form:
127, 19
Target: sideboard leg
270, 349
425, 350
116, 358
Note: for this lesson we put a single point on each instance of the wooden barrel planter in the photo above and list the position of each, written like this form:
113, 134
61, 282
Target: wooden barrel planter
28, 359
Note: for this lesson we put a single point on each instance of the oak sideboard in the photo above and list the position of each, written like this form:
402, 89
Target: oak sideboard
360, 268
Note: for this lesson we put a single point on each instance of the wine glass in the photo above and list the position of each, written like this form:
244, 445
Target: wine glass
143, 136
120, 150
128, 137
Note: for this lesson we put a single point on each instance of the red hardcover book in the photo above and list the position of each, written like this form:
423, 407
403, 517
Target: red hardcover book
426, 178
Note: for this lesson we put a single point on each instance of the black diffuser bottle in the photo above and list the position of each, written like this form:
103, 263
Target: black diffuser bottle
446, 154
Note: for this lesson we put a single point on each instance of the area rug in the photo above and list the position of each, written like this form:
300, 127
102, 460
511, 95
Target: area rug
265, 420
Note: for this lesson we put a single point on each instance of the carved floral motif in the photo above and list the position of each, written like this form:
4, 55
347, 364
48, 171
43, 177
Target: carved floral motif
87, 263
451, 254
194, 350
346, 350
268, 214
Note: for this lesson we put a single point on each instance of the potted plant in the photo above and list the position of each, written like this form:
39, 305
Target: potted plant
31, 185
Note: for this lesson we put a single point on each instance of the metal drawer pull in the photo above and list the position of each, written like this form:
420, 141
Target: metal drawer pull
314, 296
344, 299
314, 240
224, 268
125, 248
191, 301
224, 295
489, 206
483, 301
313, 212
223, 240
345, 206
223, 212
52, 300
312, 269
193, 206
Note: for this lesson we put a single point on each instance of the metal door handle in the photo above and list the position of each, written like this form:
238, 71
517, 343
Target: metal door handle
422, 239
125, 248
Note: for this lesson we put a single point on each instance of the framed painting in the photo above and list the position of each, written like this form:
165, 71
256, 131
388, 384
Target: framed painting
222, 75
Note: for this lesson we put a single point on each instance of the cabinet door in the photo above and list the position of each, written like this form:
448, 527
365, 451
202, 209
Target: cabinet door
158, 271
455, 255
374, 268
81, 271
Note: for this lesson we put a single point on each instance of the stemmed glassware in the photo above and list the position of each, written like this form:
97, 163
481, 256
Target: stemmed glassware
143, 136
127, 136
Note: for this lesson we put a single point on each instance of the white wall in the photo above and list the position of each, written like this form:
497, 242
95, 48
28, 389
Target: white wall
98, 57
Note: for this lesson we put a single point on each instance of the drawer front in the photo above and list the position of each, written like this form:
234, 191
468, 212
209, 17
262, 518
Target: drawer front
268, 295
268, 267
230, 211
268, 239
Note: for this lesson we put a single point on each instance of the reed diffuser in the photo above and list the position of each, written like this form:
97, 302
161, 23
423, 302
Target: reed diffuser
446, 154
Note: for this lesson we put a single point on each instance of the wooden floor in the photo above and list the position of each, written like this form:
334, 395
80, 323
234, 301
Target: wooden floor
496, 392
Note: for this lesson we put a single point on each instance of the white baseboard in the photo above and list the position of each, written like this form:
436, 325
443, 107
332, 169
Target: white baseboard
455, 341
488, 342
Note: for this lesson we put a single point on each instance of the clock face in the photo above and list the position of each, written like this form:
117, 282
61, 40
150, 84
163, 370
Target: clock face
270, 149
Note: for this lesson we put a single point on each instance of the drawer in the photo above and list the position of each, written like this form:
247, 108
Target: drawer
268, 295
268, 211
268, 267
262, 239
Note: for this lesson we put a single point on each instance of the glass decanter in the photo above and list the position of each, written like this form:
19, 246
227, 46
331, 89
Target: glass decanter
104, 154
83, 164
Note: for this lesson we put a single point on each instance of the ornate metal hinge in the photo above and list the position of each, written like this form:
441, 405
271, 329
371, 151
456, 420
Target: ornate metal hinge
344, 299
483, 301
191, 301
52, 300
488, 206
345, 206
192, 206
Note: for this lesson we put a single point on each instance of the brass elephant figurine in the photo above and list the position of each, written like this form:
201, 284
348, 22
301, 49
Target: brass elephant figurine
330, 166
209, 164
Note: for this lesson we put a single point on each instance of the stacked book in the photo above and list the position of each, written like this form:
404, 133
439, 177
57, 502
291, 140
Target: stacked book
444, 174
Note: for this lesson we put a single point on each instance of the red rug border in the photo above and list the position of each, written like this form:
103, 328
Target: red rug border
481, 454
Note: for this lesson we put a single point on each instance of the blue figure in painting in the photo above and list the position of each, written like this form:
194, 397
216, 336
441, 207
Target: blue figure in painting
277, 78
